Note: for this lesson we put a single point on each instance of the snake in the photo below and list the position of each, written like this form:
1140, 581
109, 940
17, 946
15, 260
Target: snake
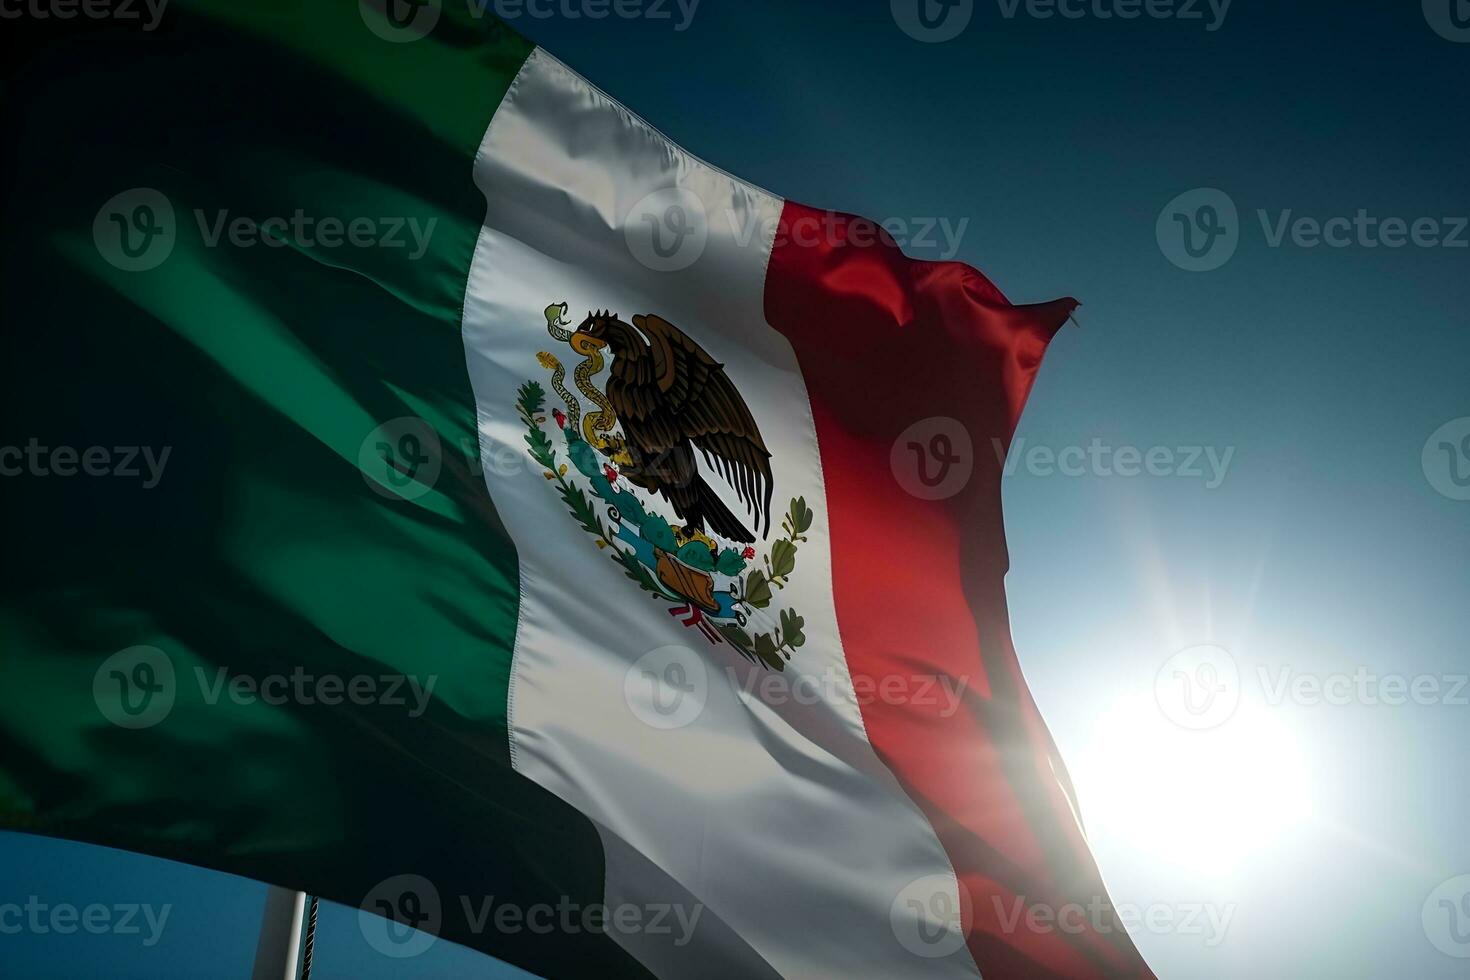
594, 425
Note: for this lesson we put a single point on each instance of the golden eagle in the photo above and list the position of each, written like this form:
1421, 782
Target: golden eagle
672, 398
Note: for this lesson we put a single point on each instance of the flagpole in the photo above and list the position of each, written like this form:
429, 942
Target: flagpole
280, 935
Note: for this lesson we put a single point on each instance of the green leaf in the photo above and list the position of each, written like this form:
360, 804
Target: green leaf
629, 508
656, 531
783, 558
695, 554
532, 398
730, 562
765, 649
757, 589
636, 571
582, 510
801, 515
791, 628
540, 447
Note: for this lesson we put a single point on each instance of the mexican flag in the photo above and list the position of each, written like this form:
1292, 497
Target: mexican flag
438, 492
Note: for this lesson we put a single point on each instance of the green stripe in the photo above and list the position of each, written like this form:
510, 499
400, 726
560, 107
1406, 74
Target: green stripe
263, 548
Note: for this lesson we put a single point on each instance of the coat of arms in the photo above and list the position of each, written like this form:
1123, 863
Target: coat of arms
637, 447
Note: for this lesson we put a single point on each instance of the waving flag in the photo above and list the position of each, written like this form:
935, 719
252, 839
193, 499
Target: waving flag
534, 517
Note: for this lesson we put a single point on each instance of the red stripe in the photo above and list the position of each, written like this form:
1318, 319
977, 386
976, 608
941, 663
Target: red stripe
885, 342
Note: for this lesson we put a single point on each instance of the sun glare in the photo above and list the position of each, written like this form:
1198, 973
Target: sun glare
1205, 801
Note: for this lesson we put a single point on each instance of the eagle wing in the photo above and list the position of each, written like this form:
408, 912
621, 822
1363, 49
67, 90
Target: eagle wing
686, 394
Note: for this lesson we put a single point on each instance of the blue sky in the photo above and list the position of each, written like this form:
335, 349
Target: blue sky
1318, 544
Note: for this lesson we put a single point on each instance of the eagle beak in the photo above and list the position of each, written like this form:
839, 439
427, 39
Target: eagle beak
585, 343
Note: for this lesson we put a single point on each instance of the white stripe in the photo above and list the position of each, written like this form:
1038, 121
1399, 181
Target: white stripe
771, 812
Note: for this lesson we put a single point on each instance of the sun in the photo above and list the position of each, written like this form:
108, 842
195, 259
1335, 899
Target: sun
1207, 802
